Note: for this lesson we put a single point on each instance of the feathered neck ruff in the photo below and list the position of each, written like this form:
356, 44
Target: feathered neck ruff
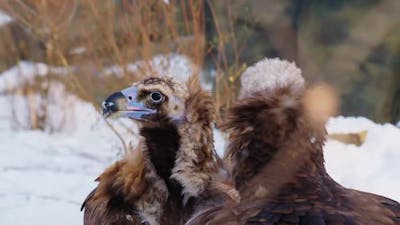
182, 152
272, 141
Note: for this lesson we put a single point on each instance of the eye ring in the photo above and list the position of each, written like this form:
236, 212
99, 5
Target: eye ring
156, 97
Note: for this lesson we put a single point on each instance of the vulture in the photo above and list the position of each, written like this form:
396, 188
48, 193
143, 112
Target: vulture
174, 170
275, 155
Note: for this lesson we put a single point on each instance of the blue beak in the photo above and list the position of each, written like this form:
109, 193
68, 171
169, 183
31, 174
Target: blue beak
125, 104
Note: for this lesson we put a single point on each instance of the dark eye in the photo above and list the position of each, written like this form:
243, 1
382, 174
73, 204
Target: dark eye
156, 97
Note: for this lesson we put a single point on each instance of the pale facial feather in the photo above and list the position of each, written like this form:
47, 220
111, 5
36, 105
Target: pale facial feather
174, 106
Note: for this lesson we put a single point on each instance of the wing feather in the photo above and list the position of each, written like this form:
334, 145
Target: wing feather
98, 211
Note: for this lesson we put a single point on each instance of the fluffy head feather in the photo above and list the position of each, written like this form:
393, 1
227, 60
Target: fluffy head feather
269, 74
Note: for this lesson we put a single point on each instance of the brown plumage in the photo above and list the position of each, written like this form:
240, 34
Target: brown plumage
112, 202
174, 171
276, 157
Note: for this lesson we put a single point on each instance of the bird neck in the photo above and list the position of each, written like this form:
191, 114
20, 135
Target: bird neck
183, 151
162, 144
271, 169
272, 142
183, 155
196, 159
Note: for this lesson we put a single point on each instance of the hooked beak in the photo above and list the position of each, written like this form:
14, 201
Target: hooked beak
125, 104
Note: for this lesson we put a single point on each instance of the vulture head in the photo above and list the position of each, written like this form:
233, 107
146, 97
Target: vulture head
175, 120
153, 101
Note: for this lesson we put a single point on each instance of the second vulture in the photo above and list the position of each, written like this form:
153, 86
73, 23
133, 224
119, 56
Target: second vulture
275, 154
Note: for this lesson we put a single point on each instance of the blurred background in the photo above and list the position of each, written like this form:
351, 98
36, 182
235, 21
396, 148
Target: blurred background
59, 59
353, 45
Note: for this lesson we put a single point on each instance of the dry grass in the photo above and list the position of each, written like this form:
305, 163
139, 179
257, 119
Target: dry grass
89, 35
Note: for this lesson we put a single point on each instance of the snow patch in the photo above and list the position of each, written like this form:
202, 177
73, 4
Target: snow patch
178, 66
47, 176
78, 50
4, 18
343, 124
175, 65
50, 174
371, 167
219, 142
25, 72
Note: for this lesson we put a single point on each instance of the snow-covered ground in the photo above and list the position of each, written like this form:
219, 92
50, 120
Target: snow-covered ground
373, 166
46, 176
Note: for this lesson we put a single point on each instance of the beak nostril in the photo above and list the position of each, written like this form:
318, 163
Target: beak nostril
107, 105
110, 104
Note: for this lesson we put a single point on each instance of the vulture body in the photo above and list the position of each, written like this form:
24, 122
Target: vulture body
276, 158
174, 170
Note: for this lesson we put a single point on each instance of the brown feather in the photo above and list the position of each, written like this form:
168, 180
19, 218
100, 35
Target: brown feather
113, 201
97, 212
124, 177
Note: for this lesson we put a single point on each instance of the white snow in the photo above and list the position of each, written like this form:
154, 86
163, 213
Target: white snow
78, 50
373, 166
46, 176
4, 18
176, 65
25, 72
219, 142
179, 66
